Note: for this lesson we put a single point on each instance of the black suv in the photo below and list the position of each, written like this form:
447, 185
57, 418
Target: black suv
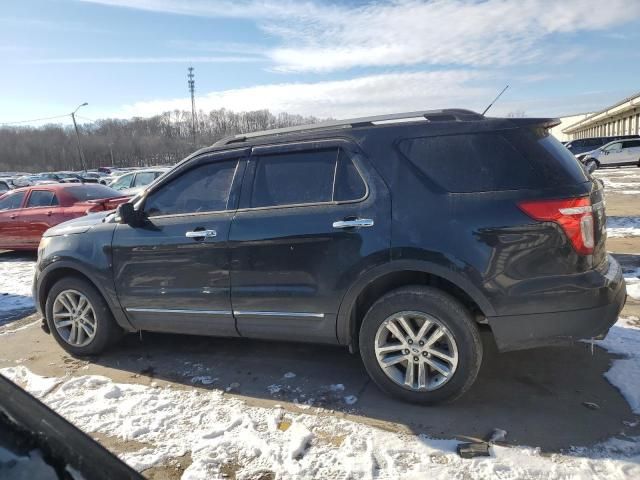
399, 236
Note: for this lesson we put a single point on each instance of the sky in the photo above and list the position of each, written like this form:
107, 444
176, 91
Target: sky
323, 58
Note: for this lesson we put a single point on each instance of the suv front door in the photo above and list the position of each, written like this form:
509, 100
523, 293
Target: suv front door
611, 154
312, 217
172, 272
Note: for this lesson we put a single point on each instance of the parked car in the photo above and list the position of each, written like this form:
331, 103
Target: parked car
134, 182
398, 238
44, 178
581, 146
6, 184
613, 154
26, 213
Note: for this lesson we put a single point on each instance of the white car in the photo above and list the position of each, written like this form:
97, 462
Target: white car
614, 154
134, 182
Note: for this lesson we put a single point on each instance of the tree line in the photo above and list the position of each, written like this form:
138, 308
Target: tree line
160, 140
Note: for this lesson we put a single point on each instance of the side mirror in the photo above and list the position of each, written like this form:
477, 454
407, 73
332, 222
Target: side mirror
129, 215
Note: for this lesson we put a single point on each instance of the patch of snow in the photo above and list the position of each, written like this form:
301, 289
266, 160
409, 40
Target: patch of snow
16, 276
350, 399
274, 388
203, 379
34, 384
338, 387
624, 339
289, 375
623, 227
216, 429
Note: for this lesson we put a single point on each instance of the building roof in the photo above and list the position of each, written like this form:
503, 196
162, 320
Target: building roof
623, 105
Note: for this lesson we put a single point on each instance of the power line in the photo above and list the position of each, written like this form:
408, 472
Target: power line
33, 120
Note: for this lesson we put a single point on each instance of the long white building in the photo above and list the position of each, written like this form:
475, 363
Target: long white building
623, 118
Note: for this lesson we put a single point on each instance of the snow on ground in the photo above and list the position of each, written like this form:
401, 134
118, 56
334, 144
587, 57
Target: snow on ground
632, 279
16, 276
623, 227
624, 374
218, 429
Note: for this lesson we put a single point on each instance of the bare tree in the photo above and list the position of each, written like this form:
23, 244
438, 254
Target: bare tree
159, 140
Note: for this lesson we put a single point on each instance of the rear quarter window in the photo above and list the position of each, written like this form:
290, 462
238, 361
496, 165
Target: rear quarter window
471, 162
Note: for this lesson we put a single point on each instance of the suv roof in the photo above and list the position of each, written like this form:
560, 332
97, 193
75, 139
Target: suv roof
452, 115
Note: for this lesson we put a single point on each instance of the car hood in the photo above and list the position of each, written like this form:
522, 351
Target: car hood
77, 225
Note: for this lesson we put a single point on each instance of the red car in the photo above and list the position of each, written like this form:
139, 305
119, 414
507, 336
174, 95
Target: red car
26, 213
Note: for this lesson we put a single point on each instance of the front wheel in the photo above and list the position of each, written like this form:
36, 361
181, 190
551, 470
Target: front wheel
79, 318
421, 345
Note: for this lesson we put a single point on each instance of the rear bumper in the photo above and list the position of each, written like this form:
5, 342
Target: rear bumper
518, 332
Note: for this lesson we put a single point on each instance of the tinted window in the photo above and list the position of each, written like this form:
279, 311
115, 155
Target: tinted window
144, 178
631, 144
471, 163
91, 192
11, 201
204, 188
4, 187
348, 184
294, 178
41, 198
558, 165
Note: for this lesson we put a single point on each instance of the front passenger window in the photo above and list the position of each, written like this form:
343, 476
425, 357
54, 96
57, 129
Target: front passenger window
204, 188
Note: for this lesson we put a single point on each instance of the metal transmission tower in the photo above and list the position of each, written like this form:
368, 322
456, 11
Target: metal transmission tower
192, 87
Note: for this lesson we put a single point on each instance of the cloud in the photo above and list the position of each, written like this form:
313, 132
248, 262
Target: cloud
317, 36
139, 60
367, 95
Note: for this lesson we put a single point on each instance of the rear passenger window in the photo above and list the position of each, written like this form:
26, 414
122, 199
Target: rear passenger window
306, 177
349, 185
41, 198
631, 144
470, 163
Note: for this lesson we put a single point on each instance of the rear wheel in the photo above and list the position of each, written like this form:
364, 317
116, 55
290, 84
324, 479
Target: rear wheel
421, 345
79, 318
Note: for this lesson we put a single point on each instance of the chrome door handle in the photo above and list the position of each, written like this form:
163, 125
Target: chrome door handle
201, 234
358, 222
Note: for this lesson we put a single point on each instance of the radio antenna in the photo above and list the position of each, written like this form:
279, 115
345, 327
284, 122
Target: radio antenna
495, 100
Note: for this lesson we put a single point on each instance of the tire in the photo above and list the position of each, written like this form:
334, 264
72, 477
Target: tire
591, 166
105, 329
460, 339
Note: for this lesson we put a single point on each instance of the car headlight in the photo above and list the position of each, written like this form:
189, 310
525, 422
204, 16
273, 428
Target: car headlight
44, 241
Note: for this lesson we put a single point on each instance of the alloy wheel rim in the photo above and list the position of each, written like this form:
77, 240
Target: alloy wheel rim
74, 318
416, 351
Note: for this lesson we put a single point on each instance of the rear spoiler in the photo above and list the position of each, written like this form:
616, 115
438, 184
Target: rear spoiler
536, 122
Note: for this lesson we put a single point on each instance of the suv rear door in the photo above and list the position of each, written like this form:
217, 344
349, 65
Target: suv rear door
312, 217
172, 273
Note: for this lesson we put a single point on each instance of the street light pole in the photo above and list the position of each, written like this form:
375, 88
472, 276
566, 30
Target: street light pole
75, 126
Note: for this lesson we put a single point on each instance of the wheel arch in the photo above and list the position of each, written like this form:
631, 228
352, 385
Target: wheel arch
63, 269
380, 280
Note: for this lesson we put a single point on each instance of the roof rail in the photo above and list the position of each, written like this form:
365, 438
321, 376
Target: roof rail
452, 114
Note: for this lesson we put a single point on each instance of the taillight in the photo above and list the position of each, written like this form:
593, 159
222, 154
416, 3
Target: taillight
574, 215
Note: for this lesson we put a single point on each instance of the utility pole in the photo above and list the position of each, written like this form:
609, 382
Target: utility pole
75, 126
192, 87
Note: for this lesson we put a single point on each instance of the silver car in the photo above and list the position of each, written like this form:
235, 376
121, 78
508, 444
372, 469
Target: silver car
134, 182
613, 154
